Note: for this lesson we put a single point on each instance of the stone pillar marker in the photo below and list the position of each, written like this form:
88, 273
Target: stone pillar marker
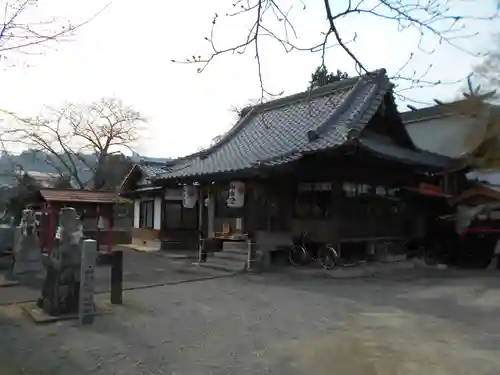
61, 287
27, 254
86, 309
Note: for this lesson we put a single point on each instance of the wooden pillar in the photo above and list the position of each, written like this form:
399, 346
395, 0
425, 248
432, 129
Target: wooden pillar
42, 239
211, 215
97, 229
111, 223
202, 256
117, 278
200, 210
52, 223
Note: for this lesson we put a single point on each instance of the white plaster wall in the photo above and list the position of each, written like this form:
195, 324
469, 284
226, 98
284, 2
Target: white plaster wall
157, 213
446, 136
137, 208
492, 177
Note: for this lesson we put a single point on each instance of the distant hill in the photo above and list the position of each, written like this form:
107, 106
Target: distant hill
35, 161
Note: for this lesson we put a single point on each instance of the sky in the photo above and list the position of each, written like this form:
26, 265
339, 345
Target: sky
126, 52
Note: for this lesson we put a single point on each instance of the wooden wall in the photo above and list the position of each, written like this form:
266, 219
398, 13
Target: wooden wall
271, 203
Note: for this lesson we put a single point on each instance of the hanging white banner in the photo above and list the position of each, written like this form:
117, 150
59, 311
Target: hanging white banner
236, 198
189, 196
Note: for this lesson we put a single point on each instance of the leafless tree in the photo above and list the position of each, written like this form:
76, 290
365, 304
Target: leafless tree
271, 19
487, 73
76, 135
22, 32
484, 142
238, 109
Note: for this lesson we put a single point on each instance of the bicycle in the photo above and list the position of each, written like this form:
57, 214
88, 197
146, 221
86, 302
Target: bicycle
328, 257
302, 252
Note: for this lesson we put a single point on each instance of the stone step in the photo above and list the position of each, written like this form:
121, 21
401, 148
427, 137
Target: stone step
234, 251
232, 255
221, 264
236, 246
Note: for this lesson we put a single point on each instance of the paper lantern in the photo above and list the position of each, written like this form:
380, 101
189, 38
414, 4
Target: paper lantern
189, 196
236, 198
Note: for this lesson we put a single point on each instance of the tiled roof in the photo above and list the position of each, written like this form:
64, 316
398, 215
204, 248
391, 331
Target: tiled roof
283, 130
78, 196
147, 169
151, 169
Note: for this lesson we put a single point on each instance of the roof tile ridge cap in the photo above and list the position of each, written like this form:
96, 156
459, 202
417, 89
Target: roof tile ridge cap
185, 158
306, 95
382, 85
228, 135
313, 134
128, 175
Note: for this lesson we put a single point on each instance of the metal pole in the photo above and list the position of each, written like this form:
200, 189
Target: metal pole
202, 254
117, 278
250, 255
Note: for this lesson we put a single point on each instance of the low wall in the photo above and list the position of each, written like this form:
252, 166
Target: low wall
120, 237
145, 234
179, 240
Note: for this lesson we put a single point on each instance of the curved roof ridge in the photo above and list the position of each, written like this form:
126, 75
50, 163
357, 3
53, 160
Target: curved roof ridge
316, 92
374, 97
290, 99
226, 137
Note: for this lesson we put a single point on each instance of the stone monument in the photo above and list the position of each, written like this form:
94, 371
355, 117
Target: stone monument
61, 287
27, 254
86, 309
7, 229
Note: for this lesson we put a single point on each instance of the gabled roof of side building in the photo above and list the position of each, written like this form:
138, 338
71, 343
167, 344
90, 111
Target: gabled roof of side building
440, 110
142, 173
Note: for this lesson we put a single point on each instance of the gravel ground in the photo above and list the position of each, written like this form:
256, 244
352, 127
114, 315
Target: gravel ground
139, 270
275, 324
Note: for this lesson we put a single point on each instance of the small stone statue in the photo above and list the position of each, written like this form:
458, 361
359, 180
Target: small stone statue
60, 292
27, 254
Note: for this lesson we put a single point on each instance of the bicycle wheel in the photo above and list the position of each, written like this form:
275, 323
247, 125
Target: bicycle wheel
297, 255
328, 257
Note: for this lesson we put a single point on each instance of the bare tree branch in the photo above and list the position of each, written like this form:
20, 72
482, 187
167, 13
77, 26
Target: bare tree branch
432, 19
486, 75
78, 134
19, 33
